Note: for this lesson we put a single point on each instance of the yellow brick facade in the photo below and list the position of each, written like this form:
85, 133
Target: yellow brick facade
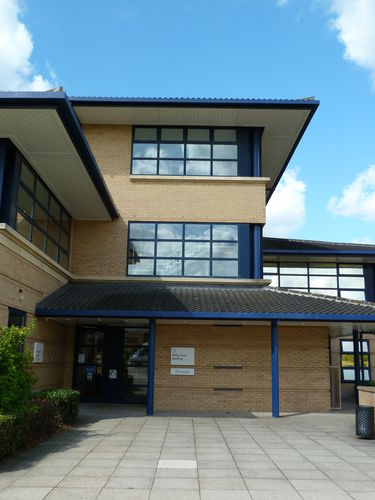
303, 359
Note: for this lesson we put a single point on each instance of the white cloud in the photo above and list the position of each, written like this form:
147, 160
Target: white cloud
16, 46
286, 210
354, 22
281, 3
358, 198
366, 240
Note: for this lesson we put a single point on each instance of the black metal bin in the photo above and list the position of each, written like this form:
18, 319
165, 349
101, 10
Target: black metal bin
364, 421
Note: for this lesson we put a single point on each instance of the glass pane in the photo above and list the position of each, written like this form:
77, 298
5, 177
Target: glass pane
172, 134
365, 360
41, 194
171, 151
168, 267
325, 291
198, 134
347, 360
135, 336
293, 281
225, 232
351, 294
136, 355
145, 150
39, 239
364, 346
90, 336
348, 375
63, 259
141, 249
23, 226
25, 201
351, 282
92, 355
367, 375
293, 268
65, 221
141, 266
198, 167
52, 249
270, 268
144, 167
197, 268
55, 209
197, 232
274, 279
198, 151
225, 268
225, 250
64, 240
40, 217
142, 230
169, 231
53, 229
323, 269
144, 134
27, 177
169, 249
225, 135
171, 167
228, 168
223, 152
197, 249
323, 281
347, 345
350, 269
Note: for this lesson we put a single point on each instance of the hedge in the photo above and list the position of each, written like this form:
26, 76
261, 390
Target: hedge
65, 402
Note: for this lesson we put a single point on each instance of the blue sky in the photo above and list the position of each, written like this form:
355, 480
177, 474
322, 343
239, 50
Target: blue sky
226, 48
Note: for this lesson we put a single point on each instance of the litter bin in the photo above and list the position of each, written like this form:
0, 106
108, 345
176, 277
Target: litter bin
364, 421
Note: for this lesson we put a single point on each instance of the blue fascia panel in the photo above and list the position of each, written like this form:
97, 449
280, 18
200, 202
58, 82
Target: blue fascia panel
60, 313
60, 101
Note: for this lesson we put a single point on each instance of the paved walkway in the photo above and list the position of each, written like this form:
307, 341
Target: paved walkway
114, 454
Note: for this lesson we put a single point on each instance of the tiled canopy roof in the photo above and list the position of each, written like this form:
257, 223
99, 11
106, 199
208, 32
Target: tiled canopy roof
114, 299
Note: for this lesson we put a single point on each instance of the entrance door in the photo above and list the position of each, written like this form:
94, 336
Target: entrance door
112, 363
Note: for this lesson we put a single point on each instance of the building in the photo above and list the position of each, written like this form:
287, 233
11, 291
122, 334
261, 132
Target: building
132, 230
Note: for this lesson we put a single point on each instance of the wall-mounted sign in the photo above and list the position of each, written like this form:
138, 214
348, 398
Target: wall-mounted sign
112, 374
90, 369
182, 355
38, 352
182, 371
89, 375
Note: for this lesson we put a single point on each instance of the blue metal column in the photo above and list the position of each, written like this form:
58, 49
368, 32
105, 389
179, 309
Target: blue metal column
257, 168
257, 257
357, 368
275, 367
151, 368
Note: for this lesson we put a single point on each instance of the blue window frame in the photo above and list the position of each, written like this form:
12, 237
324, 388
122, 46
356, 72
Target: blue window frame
186, 151
185, 249
347, 361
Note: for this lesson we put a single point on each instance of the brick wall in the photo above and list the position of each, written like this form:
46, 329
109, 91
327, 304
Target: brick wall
303, 360
99, 248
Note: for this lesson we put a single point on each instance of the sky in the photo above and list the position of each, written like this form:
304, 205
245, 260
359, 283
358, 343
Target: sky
226, 48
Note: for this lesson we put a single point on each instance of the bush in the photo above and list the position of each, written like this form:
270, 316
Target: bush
65, 401
16, 370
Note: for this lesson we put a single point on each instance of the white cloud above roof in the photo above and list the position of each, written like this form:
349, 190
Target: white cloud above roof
16, 46
354, 22
286, 210
357, 199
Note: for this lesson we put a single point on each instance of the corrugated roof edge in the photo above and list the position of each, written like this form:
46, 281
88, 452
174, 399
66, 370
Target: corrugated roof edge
343, 246
61, 102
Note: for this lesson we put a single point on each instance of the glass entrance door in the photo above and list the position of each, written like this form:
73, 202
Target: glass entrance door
135, 365
89, 373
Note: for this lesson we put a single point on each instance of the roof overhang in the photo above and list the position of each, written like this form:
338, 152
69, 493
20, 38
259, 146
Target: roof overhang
283, 121
44, 127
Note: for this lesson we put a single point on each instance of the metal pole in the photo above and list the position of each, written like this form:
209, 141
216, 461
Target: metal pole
275, 367
356, 364
151, 368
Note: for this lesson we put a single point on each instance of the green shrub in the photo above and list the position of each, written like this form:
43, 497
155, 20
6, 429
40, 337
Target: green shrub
66, 402
16, 370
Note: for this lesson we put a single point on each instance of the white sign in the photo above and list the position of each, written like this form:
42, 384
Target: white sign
81, 358
112, 374
182, 355
182, 371
38, 352
89, 375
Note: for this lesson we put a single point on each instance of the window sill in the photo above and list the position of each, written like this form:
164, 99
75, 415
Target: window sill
198, 178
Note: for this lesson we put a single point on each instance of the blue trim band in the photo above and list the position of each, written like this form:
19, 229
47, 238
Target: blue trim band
357, 374
151, 368
257, 257
275, 367
257, 169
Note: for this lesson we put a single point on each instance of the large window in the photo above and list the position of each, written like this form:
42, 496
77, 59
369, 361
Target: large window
190, 249
342, 280
185, 151
40, 217
347, 360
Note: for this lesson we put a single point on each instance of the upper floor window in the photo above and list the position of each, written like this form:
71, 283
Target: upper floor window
41, 219
341, 280
185, 151
347, 360
189, 249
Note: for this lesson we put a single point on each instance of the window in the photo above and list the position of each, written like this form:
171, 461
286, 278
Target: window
189, 249
185, 151
339, 280
41, 219
347, 360
16, 317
